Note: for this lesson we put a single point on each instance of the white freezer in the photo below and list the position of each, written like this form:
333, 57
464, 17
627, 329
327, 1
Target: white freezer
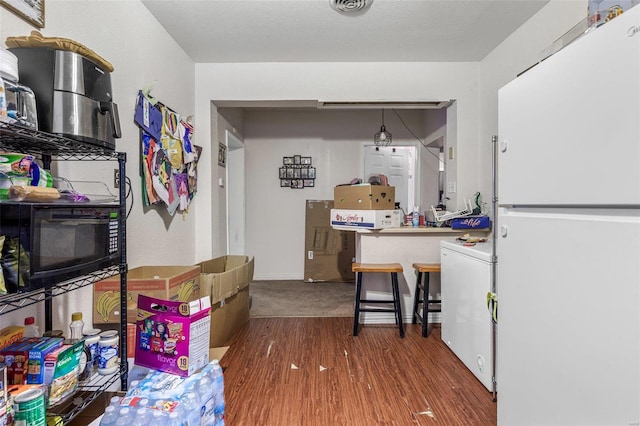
568, 128
568, 317
466, 323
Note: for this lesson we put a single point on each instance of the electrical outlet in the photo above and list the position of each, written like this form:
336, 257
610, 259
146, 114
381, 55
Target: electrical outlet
116, 178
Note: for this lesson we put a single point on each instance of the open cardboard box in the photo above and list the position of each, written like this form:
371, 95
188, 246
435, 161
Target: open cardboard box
226, 280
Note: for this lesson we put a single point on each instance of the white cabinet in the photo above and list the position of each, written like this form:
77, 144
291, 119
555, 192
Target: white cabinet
466, 321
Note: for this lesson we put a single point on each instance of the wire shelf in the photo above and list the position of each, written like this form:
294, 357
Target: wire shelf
23, 140
14, 301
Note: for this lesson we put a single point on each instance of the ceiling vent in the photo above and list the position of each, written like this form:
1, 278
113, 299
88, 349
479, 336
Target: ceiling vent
350, 5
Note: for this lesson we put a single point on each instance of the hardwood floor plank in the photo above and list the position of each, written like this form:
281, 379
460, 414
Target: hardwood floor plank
376, 378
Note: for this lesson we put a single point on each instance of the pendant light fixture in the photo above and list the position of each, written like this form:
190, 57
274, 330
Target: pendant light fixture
382, 138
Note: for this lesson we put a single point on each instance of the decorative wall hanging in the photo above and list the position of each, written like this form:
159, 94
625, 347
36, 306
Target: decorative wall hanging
31, 11
169, 158
297, 172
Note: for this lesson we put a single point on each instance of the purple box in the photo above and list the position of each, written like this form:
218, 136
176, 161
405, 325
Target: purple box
471, 222
173, 336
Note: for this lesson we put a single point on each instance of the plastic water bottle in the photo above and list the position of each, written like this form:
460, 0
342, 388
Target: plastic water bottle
159, 418
30, 328
189, 401
218, 394
115, 401
109, 417
416, 216
174, 419
143, 415
124, 417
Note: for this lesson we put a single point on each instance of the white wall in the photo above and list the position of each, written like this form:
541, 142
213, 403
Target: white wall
334, 139
142, 53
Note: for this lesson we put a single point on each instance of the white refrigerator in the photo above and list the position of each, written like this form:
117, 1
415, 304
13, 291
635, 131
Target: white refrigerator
568, 235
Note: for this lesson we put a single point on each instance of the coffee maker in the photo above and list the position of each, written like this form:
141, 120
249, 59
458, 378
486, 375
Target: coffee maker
73, 95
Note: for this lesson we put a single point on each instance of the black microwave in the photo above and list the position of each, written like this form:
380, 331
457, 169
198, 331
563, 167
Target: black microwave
48, 243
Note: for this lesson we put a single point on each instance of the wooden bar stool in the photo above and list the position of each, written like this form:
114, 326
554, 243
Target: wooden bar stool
393, 269
424, 268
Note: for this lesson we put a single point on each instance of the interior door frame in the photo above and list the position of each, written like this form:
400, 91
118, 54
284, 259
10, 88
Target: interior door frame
235, 194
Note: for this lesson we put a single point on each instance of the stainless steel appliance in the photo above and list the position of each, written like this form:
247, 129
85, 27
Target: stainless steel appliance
73, 95
47, 243
21, 104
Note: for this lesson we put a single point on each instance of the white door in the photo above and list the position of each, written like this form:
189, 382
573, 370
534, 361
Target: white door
568, 317
398, 163
236, 207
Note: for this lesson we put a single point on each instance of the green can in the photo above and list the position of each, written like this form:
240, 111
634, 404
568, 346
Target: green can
29, 408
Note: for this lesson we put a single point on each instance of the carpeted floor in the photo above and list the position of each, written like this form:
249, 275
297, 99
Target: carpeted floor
301, 299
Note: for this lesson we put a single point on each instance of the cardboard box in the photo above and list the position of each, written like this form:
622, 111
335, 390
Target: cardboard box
226, 281
228, 316
181, 283
11, 334
37, 355
60, 375
329, 252
173, 336
224, 276
365, 219
471, 222
364, 197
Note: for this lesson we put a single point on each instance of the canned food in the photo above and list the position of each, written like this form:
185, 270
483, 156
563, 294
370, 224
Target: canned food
30, 408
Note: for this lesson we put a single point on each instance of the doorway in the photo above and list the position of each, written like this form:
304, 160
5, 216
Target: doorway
398, 163
236, 204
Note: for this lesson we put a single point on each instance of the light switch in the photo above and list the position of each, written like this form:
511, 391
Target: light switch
221, 182
451, 187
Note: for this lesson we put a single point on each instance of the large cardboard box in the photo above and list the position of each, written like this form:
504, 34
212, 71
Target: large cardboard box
181, 283
364, 197
226, 281
328, 252
365, 219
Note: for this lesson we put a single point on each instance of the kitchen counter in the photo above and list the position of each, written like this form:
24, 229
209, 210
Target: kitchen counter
424, 230
405, 245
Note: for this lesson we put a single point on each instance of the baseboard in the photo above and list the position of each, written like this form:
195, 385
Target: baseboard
267, 277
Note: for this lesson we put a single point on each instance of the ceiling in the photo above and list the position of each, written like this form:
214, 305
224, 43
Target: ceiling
227, 31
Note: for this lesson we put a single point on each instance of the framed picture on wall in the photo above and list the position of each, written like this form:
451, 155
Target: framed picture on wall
312, 172
283, 173
305, 161
309, 183
287, 161
285, 183
296, 159
289, 172
31, 11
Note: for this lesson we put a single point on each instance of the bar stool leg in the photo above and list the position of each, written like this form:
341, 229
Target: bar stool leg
356, 315
416, 300
425, 306
396, 300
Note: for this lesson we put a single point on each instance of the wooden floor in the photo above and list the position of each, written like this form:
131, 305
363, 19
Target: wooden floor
312, 371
